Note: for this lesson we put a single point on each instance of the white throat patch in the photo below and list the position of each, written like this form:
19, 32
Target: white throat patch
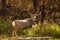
34, 26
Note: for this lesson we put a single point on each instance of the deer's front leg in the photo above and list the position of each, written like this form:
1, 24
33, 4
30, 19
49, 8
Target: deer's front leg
28, 30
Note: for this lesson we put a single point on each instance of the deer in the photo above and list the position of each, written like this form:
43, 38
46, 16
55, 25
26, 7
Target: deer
23, 24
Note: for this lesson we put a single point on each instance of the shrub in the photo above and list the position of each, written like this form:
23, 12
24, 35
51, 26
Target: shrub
52, 30
5, 26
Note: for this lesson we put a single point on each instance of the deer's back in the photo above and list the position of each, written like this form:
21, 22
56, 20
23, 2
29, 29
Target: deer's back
22, 24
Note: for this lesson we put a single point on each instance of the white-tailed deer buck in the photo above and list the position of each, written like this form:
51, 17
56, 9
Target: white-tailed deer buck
23, 24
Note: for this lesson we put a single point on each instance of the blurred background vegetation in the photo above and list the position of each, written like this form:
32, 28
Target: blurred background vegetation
48, 20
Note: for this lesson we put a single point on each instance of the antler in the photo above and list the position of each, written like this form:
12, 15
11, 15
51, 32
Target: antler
29, 12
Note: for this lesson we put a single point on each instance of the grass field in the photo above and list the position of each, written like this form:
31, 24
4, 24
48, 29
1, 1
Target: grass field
52, 30
28, 38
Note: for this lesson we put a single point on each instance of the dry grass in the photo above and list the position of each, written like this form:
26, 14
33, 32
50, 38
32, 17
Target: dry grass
8, 38
28, 38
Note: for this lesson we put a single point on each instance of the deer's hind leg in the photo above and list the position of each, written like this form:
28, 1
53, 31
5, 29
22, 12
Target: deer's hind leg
13, 33
16, 34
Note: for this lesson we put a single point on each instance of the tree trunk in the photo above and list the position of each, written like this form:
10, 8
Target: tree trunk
3, 7
35, 3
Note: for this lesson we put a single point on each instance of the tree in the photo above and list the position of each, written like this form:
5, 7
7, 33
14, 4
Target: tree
4, 7
35, 3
